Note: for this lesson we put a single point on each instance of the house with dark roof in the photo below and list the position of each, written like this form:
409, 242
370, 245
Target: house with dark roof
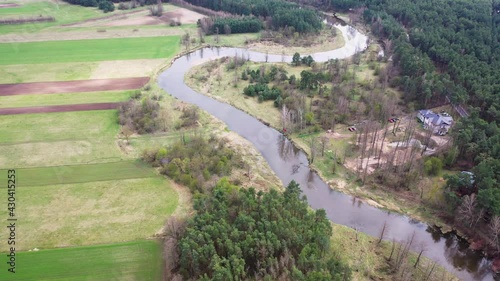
439, 123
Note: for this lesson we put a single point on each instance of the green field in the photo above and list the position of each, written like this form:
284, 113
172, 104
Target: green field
21, 73
137, 260
91, 213
81, 173
59, 99
78, 125
89, 50
63, 13
54, 139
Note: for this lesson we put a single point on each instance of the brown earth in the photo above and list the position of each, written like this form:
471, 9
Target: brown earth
73, 86
8, 5
59, 108
120, 15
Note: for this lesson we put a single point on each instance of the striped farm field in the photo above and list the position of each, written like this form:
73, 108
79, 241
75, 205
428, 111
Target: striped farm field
89, 50
82, 173
136, 260
59, 108
62, 99
77, 86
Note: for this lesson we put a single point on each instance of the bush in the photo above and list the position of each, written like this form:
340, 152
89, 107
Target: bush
433, 166
194, 162
106, 6
142, 116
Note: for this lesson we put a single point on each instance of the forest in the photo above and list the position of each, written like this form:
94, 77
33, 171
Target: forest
244, 234
281, 12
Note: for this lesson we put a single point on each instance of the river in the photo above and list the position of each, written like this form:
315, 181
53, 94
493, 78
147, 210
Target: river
290, 163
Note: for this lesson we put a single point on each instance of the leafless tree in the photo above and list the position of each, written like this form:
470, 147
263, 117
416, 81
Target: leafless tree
495, 231
382, 233
324, 141
127, 132
467, 209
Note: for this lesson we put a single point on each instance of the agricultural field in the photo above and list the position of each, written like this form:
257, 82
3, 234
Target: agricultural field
94, 212
60, 99
89, 50
136, 260
69, 174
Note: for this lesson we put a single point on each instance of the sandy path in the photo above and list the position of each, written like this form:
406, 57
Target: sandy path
73, 86
59, 108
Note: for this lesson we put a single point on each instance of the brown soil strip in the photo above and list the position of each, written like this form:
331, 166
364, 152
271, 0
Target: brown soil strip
9, 5
73, 86
59, 108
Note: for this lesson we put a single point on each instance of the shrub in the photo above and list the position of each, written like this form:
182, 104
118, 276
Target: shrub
433, 166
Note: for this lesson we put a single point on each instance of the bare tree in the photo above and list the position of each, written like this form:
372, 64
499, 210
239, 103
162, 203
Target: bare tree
384, 228
467, 209
495, 231
127, 132
324, 141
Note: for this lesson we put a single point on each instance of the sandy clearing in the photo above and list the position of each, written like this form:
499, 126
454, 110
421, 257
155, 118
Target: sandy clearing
89, 34
9, 5
59, 108
126, 68
73, 86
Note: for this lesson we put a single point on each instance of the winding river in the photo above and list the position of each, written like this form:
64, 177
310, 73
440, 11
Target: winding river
290, 163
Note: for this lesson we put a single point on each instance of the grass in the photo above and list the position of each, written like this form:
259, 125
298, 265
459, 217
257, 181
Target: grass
62, 12
21, 73
78, 125
89, 50
136, 260
81, 173
91, 213
54, 139
369, 261
60, 99
221, 87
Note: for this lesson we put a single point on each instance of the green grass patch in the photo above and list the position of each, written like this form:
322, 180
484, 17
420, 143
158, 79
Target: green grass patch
82, 173
63, 13
137, 260
91, 213
89, 50
53, 139
60, 99
76, 125
21, 73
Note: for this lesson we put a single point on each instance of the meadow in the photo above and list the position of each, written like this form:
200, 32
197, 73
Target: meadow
89, 50
136, 260
60, 99
89, 213
67, 174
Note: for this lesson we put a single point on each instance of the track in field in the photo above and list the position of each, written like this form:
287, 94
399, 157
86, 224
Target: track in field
60, 87
59, 108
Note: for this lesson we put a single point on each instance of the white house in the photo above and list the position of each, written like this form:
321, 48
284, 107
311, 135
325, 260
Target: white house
438, 123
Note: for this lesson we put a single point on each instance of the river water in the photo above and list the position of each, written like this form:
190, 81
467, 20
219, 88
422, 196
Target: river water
290, 163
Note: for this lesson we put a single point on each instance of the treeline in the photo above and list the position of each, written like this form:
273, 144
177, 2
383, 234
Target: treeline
195, 161
242, 234
104, 5
230, 24
281, 12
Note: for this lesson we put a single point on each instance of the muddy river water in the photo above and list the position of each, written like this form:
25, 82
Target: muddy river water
290, 163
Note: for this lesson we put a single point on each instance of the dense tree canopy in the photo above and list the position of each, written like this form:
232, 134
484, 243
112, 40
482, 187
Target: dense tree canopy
281, 12
240, 234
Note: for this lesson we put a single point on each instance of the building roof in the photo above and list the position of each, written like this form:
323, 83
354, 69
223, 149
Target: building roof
436, 119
